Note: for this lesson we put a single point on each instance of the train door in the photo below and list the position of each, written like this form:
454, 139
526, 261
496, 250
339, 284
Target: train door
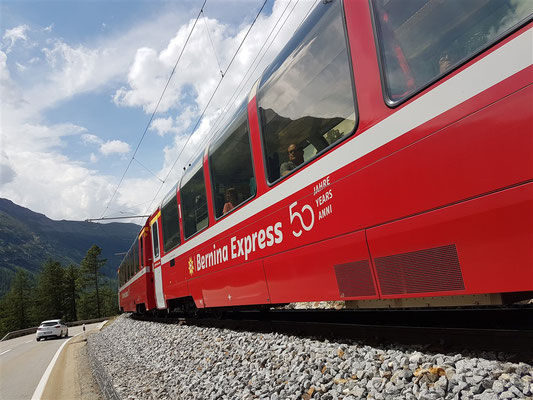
158, 276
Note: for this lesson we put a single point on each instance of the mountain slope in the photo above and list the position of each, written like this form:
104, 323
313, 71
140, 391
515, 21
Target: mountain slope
28, 239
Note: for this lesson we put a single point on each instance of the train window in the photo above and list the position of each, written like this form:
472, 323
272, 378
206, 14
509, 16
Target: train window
170, 223
130, 264
142, 249
194, 200
155, 238
135, 256
421, 40
230, 160
306, 99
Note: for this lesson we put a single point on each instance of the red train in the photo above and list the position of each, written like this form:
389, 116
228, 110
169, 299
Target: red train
384, 158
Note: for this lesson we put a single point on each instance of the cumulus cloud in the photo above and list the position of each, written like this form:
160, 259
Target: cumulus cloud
75, 67
106, 148
21, 67
114, 147
7, 173
137, 64
89, 138
15, 34
198, 75
4, 72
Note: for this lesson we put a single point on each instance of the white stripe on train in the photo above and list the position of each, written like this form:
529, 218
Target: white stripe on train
135, 277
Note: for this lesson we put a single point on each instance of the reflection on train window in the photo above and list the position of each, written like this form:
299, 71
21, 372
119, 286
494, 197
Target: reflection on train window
194, 200
170, 223
306, 98
230, 161
130, 264
155, 238
424, 39
135, 257
142, 251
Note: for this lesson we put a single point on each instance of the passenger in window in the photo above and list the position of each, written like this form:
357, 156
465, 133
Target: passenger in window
444, 63
231, 200
296, 157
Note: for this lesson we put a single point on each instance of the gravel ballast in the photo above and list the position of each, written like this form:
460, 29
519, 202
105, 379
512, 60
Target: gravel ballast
157, 361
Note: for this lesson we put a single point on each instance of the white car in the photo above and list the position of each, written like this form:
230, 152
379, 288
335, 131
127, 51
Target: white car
52, 328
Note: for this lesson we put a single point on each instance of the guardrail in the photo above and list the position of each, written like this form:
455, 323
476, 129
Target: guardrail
29, 331
101, 375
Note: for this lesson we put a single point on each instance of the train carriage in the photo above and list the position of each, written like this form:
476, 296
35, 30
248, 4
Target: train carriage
135, 274
384, 158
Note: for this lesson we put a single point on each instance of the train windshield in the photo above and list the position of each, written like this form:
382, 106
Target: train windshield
305, 99
419, 41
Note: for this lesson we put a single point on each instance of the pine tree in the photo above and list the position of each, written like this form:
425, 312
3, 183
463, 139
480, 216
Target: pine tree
109, 300
71, 292
90, 267
15, 307
50, 291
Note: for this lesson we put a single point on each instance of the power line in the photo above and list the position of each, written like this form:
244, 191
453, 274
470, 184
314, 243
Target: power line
208, 103
146, 168
212, 44
239, 89
156, 108
108, 218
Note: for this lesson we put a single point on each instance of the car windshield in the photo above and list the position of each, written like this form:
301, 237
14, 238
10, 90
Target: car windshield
51, 323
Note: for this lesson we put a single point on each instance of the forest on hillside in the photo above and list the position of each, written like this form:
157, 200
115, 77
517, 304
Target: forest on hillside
71, 292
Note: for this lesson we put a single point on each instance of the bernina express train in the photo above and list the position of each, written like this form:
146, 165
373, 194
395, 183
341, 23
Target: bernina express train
384, 158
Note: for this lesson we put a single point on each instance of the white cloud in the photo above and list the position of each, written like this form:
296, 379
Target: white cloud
7, 174
49, 28
4, 72
198, 75
89, 138
34, 170
114, 147
21, 67
163, 126
15, 34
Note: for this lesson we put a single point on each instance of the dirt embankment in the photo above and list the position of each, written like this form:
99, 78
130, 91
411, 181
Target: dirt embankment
72, 377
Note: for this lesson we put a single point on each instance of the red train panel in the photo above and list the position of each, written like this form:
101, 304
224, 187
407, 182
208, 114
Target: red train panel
431, 197
478, 246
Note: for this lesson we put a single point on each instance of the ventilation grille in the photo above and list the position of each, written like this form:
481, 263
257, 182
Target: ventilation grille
423, 271
355, 279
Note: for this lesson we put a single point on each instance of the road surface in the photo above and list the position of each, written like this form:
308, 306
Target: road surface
23, 361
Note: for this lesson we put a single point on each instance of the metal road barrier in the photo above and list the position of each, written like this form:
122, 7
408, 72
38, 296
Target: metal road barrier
28, 331
102, 377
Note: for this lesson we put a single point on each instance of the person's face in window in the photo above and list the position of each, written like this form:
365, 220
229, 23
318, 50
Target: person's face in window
296, 155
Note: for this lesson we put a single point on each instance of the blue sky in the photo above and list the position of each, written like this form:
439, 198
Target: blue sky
79, 81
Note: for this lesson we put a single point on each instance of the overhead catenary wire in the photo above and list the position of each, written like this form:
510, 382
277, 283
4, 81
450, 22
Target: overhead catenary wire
207, 105
236, 93
212, 44
155, 109
146, 168
239, 89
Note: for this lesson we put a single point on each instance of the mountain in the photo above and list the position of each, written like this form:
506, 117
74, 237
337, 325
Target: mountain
28, 239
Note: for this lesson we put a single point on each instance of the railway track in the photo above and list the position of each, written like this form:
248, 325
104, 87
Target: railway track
508, 329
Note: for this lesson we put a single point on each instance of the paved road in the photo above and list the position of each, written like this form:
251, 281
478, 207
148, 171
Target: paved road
23, 362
